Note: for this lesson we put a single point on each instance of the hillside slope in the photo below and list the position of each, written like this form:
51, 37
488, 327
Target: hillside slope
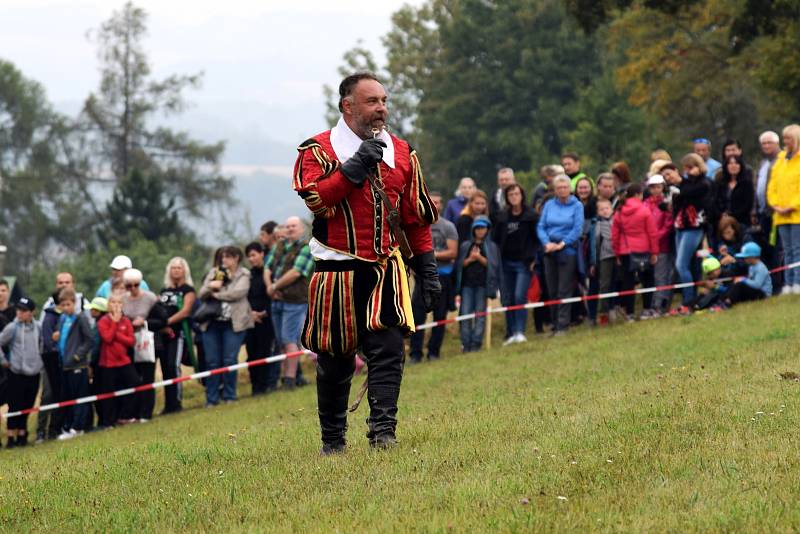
676, 424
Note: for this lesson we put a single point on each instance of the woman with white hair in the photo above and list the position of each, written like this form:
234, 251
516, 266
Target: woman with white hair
783, 194
145, 311
559, 229
177, 297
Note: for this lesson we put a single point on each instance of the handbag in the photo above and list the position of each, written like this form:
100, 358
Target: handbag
144, 351
207, 310
534, 289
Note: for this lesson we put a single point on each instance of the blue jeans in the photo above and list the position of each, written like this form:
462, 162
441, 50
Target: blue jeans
686, 243
790, 239
222, 346
516, 279
473, 299
75, 384
287, 321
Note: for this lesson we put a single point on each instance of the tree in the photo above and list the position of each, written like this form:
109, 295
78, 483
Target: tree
40, 201
117, 118
683, 68
487, 83
138, 208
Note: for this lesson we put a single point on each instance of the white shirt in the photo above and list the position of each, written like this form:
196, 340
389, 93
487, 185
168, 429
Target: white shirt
345, 143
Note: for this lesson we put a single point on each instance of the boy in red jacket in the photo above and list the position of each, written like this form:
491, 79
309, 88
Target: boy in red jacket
115, 369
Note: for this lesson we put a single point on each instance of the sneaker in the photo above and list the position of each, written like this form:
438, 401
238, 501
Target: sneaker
124, 422
796, 289
510, 341
786, 290
67, 434
412, 360
520, 338
602, 319
144, 420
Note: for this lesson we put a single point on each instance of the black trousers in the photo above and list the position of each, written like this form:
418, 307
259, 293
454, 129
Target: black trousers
145, 401
259, 342
560, 271
741, 292
22, 390
629, 279
383, 351
111, 379
439, 313
170, 361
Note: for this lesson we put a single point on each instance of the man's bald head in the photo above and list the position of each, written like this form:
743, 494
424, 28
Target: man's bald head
294, 228
64, 280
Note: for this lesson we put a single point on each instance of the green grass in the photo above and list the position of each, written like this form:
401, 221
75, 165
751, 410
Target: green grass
654, 426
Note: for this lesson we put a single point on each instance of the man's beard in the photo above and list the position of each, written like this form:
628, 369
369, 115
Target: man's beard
364, 126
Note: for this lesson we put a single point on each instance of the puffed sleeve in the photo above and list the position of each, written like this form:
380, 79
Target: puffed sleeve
318, 180
417, 211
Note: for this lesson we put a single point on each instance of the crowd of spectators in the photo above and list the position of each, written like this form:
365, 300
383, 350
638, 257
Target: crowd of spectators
78, 347
692, 221
718, 227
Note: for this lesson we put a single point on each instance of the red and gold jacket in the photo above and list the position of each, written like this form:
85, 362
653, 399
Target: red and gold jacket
351, 220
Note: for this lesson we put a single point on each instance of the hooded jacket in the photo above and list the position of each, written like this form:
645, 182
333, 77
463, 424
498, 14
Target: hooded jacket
493, 265
561, 221
634, 230
79, 345
25, 343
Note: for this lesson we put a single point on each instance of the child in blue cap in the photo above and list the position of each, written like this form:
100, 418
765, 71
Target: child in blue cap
758, 284
477, 280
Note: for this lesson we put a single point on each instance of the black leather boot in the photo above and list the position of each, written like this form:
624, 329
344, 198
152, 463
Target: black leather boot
382, 420
334, 374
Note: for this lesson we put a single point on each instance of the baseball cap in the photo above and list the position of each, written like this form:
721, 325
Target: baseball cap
481, 221
100, 304
711, 264
26, 304
749, 250
121, 263
656, 179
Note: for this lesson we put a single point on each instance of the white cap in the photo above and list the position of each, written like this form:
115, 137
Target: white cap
656, 179
121, 263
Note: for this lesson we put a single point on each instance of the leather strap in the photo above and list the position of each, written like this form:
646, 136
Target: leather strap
393, 216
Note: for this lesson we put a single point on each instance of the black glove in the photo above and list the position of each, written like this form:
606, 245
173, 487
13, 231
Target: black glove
424, 265
368, 155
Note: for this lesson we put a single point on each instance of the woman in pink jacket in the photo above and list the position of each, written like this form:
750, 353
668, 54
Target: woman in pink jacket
635, 243
661, 210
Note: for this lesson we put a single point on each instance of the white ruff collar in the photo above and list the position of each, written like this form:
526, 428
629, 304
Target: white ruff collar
345, 143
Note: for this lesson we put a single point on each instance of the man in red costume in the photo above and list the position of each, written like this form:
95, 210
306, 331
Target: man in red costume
358, 295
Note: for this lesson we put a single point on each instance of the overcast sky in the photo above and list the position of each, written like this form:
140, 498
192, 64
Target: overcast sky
264, 64
265, 61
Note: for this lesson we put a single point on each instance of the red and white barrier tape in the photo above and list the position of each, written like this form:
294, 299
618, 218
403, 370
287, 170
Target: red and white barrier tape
586, 298
426, 326
156, 385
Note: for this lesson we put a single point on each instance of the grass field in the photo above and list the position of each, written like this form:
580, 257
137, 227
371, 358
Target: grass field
680, 424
